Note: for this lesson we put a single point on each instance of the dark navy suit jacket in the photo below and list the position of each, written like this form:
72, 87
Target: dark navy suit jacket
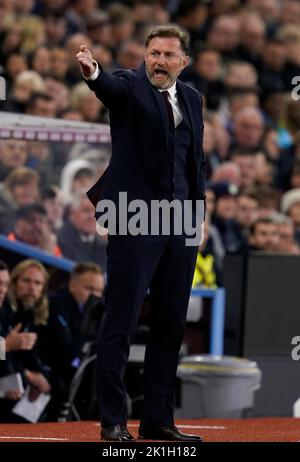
139, 131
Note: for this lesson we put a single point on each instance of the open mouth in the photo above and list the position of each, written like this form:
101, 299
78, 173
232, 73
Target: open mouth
160, 72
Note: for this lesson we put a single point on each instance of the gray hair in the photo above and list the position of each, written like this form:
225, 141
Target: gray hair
168, 31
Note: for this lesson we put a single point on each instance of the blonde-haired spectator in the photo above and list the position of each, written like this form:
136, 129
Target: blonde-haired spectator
36, 300
33, 33
25, 84
85, 101
32, 80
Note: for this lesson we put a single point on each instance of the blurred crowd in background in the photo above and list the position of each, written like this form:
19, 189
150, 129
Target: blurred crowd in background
244, 61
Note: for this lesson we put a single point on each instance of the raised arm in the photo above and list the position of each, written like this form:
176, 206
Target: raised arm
111, 89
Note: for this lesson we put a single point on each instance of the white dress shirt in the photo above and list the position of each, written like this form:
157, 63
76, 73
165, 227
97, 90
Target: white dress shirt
174, 103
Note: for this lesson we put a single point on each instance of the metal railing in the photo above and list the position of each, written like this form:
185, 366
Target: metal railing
216, 342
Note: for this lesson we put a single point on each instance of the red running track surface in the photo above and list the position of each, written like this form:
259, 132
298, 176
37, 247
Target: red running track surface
276, 429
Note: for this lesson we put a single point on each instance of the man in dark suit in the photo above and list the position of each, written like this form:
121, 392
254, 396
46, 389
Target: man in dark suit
156, 127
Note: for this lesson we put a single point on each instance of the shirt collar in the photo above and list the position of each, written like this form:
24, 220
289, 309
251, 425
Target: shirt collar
87, 237
171, 90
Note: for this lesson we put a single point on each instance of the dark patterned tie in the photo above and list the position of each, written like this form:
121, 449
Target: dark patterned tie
169, 109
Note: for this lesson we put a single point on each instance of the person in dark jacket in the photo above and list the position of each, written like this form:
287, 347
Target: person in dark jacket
157, 130
78, 239
69, 307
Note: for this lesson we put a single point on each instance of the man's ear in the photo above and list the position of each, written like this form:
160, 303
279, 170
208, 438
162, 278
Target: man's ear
186, 61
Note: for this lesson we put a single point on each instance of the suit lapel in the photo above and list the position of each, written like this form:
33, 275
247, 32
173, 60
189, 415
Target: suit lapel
158, 100
163, 112
186, 100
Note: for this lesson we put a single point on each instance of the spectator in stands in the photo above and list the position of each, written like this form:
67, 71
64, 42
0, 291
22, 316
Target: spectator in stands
29, 303
247, 211
33, 33
268, 199
274, 59
14, 341
52, 200
240, 75
264, 169
40, 61
130, 55
59, 63
11, 39
68, 308
205, 75
78, 238
25, 84
274, 104
286, 232
246, 161
224, 216
77, 14
20, 188
32, 228
241, 98
13, 154
104, 55
227, 172
15, 64
210, 147
224, 35
42, 105
192, 15
98, 28
153, 12
289, 34
122, 24
264, 234
290, 205
221, 134
77, 176
55, 28
252, 39
59, 93
87, 103
248, 129
28, 294
290, 12
23, 8
269, 10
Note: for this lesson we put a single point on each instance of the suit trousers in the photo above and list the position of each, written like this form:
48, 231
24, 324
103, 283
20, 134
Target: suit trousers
165, 266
